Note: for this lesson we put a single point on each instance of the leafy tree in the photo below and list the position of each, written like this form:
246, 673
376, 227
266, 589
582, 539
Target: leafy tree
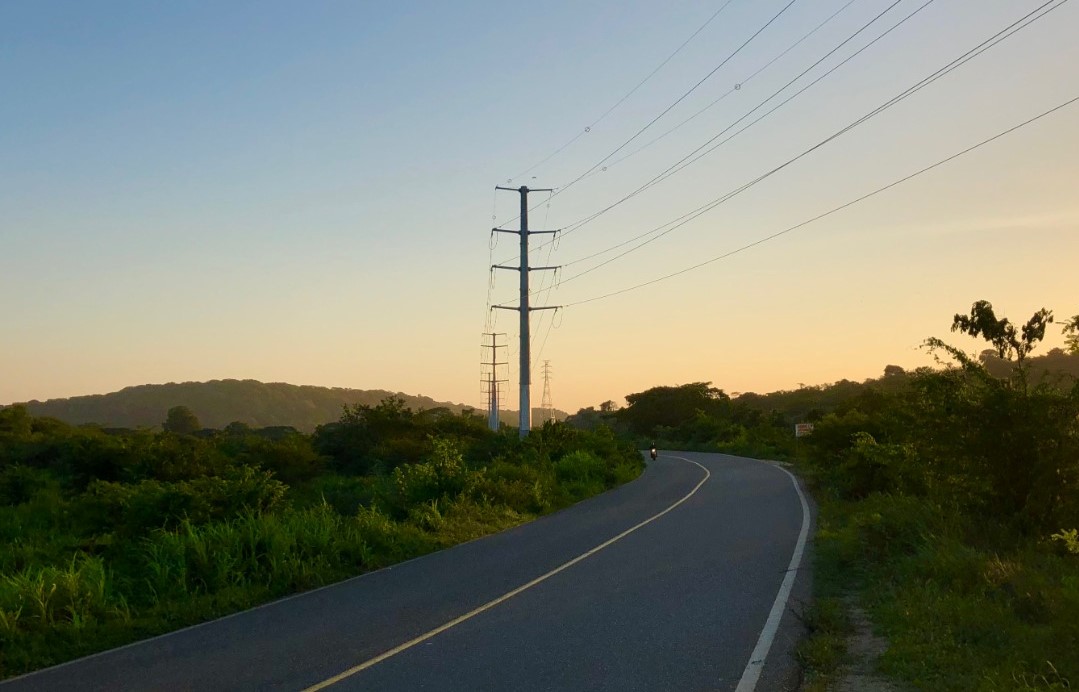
181, 420
672, 406
1001, 333
1071, 335
237, 428
15, 421
1012, 449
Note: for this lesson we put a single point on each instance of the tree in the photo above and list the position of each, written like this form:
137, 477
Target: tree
1071, 335
672, 406
1010, 448
181, 420
893, 371
1001, 333
15, 421
237, 429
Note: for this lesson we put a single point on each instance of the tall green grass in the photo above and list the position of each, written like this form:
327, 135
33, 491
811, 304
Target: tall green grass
965, 606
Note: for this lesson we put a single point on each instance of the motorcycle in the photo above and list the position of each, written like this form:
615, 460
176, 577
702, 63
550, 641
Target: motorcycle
653, 453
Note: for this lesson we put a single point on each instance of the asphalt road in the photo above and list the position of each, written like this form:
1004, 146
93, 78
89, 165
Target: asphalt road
676, 601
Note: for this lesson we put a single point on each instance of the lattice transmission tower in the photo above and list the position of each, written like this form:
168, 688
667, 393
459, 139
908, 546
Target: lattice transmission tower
548, 407
491, 380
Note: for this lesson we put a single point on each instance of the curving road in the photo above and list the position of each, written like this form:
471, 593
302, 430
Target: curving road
676, 581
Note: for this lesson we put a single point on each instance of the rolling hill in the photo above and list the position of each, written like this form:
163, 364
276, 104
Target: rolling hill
220, 402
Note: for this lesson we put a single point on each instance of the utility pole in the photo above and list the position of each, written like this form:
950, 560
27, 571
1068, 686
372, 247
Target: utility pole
490, 381
548, 406
523, 308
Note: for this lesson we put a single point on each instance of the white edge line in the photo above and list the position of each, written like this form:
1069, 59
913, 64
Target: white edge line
505, 597
752, 673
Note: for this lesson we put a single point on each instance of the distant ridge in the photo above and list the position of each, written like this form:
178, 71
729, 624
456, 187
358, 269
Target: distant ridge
220, 402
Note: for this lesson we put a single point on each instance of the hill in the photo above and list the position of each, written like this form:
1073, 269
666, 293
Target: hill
220, 402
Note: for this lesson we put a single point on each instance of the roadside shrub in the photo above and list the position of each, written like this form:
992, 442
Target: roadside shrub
580, 474
135, 509
171, 457
345, 494
465, 520
833, 436
19, 483
389, 541
291, 459
276, 553
869, 467
1067, 540
41, 597
520, 486
580, 466
444, 474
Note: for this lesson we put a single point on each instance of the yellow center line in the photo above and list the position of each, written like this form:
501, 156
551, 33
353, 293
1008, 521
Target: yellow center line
505, 597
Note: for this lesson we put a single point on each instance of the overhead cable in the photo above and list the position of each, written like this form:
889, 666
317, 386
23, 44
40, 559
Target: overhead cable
831, 211
622, 100
670, 226
689, 159
737, 87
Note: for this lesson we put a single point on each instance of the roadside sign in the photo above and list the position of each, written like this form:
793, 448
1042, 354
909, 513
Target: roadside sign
802, 429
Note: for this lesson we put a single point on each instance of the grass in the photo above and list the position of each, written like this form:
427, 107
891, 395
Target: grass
821, 652
966, 606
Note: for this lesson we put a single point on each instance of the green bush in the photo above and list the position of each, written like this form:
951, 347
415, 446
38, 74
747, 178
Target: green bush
43, 597
443, 475
132, 510
346, 494
18, 484
291, 458
580, 466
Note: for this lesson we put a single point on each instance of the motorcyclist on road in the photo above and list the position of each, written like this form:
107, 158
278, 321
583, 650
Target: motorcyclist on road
653, 451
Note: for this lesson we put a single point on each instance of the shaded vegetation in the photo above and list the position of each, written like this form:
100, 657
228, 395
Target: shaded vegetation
111, 536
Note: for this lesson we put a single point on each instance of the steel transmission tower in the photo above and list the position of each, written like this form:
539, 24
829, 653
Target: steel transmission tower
489, 381
548, 407
524, 309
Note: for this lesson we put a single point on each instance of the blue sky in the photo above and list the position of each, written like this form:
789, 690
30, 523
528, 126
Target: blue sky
302, 192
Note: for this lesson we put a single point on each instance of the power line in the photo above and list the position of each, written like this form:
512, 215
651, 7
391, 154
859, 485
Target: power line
851, 203
670, 226
622, 100
557, 315
544, 284
681, 98
682, 163
560, 189
737, 87
677, 166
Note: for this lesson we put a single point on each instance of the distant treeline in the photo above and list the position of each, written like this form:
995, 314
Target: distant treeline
220, 402
703, 417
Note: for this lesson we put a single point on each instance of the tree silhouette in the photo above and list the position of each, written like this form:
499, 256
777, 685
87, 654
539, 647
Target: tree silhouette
181, 420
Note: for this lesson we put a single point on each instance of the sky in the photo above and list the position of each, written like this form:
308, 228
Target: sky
304, 192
